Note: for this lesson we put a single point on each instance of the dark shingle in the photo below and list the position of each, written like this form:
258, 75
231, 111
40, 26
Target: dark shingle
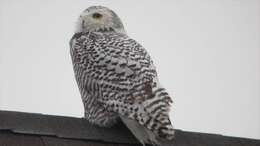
181, 139
25, 123
240, 141
64, 127
118, 133
52, 141
12, 139
210, 139
249, 142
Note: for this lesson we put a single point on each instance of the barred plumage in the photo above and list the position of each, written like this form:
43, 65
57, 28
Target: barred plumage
117, 79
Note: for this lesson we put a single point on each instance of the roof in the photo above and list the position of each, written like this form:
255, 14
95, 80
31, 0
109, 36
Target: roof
30, 129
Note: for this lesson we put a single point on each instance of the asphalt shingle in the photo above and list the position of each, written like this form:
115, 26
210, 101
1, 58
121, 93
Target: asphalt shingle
29, 129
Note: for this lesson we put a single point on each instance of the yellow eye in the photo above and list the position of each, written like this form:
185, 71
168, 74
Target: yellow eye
97, 16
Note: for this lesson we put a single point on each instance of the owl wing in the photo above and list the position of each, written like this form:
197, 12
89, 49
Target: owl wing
114, 61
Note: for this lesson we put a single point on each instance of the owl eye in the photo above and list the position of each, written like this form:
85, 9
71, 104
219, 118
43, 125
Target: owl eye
96, 15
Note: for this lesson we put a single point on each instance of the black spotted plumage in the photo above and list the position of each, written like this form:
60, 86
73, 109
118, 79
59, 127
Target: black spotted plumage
116, 77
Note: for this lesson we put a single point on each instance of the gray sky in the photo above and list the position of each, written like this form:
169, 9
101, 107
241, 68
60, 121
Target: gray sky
207, 55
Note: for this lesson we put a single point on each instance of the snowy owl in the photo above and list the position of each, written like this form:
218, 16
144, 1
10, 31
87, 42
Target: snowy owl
117, 78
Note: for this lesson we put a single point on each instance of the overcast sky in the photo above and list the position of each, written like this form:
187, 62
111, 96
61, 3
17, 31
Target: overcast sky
207, 55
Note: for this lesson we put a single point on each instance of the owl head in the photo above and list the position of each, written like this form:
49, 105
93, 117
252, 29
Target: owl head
99, 19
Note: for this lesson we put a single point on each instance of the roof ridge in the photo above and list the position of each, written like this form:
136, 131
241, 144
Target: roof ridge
79, 128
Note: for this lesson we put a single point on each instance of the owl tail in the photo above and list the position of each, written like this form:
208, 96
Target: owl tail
142, 134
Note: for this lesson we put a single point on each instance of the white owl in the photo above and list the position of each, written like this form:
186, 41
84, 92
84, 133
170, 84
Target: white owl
117, 79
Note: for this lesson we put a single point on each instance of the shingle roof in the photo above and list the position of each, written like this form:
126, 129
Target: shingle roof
29, 129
